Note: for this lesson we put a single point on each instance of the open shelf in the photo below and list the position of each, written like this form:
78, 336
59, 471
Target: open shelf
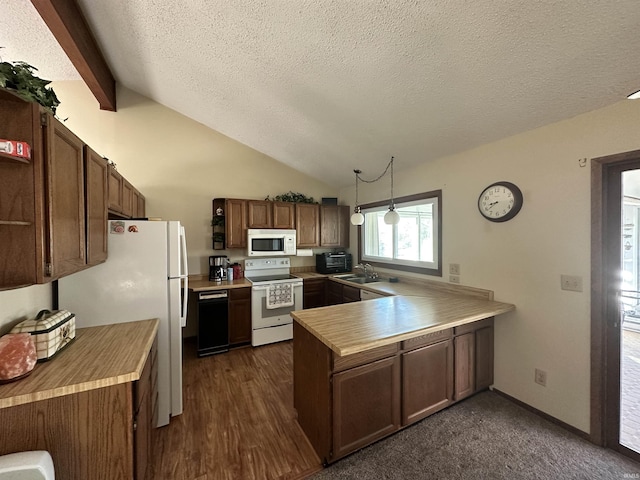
4, 156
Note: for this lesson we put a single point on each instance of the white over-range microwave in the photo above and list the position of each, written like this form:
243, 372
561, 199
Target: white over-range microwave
270, 242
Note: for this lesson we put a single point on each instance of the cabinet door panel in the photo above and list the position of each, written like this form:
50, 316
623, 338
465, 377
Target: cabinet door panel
97, 172
427, 381
259, 214
314, 293
64, 167
239, 316
366, 405
334, 226
464, 351
307, 225
284, 215
115, 190
236, 223
127, 198
484, 358
334, 293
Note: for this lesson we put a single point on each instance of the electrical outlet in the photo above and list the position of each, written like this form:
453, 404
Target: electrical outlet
454, 268
454, 278
572, 283
541, 377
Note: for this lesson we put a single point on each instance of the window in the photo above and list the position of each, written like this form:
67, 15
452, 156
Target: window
411, 245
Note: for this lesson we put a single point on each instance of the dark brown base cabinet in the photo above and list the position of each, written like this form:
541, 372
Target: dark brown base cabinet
346, 403
239, 316
314, 292
100, 433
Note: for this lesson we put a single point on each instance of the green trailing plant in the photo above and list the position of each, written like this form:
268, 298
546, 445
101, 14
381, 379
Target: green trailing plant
19, 77
292, 197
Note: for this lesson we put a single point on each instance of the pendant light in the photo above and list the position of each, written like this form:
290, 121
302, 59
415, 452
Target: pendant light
357, 218
391, 217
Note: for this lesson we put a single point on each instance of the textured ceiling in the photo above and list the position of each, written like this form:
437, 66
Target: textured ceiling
328, 86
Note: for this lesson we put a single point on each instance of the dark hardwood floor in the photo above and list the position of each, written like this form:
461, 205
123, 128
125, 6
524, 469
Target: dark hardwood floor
238, 420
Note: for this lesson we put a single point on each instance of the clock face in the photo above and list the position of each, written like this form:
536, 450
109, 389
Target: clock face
500, 201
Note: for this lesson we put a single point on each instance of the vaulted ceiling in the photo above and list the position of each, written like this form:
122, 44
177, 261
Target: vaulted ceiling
327, 86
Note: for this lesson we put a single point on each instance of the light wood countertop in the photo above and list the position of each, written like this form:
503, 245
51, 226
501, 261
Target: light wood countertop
98, 357
203, 285
356, 327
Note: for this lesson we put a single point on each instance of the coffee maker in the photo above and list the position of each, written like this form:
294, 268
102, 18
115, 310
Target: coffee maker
218, 268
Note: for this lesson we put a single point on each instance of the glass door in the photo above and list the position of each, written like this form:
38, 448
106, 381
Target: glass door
629, 436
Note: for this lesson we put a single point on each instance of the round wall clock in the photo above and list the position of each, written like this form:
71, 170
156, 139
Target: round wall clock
500, 201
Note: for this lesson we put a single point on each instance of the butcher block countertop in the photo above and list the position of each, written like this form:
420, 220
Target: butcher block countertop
356, 327
98, 357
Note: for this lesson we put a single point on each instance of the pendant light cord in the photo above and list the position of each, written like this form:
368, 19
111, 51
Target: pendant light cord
358, 177
379, 177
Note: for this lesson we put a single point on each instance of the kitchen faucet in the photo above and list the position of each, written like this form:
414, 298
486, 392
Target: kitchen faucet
365, 268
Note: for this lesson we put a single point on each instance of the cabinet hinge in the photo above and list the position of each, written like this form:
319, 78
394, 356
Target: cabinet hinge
48, 269
135, 426
43, 119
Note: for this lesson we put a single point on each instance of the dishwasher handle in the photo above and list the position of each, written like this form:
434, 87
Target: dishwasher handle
220, 295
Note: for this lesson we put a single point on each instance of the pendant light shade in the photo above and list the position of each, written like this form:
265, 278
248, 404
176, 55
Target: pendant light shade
357, 218
391, 217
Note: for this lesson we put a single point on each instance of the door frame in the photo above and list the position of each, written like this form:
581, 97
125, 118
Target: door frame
606, 211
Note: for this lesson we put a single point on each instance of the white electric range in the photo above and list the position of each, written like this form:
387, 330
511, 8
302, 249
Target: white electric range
275, 293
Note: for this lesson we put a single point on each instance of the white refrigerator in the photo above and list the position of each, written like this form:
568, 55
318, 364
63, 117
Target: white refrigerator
145, 276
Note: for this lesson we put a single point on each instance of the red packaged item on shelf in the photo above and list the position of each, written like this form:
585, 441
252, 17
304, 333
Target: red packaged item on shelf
15, 148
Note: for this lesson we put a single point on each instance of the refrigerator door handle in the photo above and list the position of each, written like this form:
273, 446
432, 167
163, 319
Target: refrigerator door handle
185, 301
185, 277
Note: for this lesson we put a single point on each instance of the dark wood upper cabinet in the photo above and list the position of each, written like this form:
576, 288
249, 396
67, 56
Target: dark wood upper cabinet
284, 215
259, 214
115, 190
53, 206
334, 225
307, 225
127, 198
268, 214
236, 223
64, 187
96, 191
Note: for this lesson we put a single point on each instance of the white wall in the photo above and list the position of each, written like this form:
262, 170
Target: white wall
179, 164
22, 303
522, 260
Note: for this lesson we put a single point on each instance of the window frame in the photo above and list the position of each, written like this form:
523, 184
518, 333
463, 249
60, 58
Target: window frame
437, 194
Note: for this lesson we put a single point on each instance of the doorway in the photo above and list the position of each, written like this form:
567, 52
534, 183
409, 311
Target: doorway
615, 303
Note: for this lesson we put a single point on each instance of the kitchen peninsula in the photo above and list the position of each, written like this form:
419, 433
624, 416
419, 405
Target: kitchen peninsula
364, 370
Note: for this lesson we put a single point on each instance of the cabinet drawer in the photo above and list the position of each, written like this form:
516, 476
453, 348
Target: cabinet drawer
350, 361
473, 326
427, 339
239, 293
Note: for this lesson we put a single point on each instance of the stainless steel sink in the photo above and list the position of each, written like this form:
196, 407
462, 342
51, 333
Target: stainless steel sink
356, 279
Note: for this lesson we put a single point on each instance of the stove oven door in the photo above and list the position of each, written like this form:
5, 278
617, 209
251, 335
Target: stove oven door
271, 325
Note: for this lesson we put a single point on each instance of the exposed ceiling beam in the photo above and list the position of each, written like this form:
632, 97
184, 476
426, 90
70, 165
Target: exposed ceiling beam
65, 20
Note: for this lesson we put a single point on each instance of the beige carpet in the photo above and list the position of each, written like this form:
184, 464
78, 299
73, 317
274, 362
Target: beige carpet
483, 437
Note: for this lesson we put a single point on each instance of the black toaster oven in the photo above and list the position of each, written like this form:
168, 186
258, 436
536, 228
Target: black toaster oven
333, 262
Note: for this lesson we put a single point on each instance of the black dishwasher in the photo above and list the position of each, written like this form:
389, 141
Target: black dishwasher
213, 324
